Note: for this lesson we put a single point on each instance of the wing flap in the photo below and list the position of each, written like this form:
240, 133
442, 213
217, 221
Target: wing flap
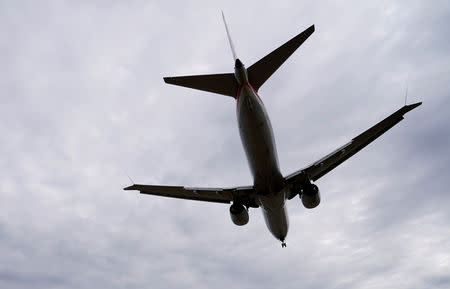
321, 167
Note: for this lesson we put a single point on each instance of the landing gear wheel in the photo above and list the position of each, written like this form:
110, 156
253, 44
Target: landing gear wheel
283, 245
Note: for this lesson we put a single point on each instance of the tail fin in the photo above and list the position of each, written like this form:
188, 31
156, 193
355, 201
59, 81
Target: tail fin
259, 72
229, 38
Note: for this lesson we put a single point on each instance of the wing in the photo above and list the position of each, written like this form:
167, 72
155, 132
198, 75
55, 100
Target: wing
244, 195
337, 157
224, 83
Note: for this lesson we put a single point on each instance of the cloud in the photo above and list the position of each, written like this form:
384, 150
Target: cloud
83, 104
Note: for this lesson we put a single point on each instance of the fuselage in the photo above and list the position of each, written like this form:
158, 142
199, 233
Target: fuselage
259, 145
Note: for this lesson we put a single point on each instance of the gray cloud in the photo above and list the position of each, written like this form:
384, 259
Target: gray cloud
83, 103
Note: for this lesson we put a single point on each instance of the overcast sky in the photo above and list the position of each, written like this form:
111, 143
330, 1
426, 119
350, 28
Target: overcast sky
83, 104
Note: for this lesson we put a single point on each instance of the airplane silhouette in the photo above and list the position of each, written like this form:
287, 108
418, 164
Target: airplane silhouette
270, 188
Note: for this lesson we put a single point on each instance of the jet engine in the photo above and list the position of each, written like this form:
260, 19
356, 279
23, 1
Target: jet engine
239, 214
310, 196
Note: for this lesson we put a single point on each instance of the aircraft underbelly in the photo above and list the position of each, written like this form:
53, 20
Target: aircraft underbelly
259, 145
275, 214
258, 141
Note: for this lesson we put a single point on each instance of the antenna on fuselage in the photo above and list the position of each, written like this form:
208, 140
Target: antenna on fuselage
229, 38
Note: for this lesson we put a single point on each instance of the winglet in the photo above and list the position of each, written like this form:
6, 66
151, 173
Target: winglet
409, 107
133, 187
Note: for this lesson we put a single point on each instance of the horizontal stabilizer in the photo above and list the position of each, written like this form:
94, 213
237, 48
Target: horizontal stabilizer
224, 83
259, 72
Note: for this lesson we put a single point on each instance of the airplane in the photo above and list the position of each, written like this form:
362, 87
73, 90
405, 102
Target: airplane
270, 189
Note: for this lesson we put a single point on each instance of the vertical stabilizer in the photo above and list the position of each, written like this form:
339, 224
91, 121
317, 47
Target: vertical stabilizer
229, 38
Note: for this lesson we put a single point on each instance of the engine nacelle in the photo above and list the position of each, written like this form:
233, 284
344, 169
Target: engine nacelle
310, 196
239, 214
